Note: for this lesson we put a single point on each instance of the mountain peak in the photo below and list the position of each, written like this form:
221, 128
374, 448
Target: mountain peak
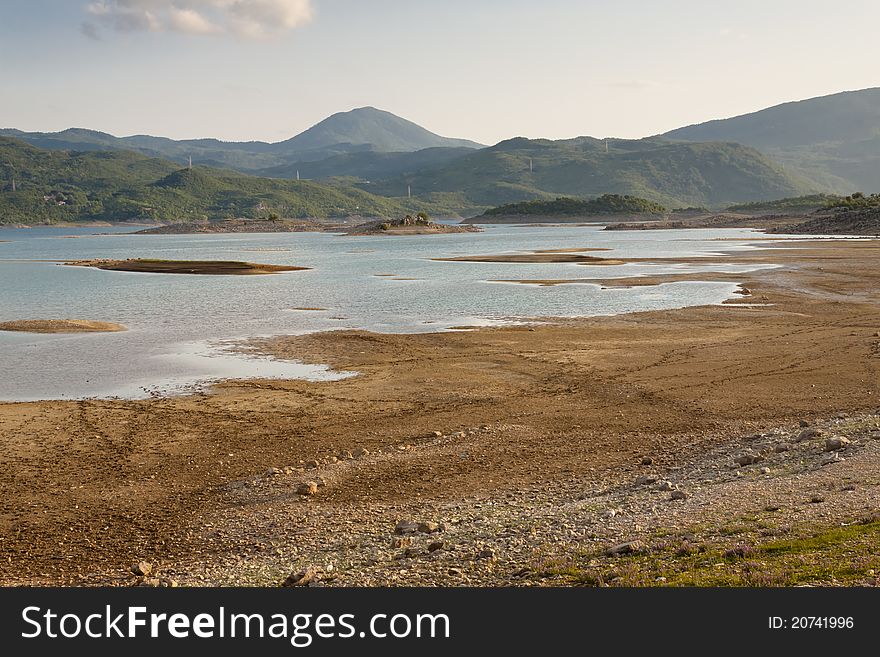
368, 126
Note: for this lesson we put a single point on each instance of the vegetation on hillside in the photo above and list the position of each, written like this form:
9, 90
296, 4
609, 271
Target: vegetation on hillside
857, 201
673, 175
786, 205
59, 186
567, 207
833, 140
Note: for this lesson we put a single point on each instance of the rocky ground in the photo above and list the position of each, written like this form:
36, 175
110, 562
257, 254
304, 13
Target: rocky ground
791, 481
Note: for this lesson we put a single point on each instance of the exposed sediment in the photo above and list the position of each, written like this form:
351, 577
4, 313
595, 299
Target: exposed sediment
203, 267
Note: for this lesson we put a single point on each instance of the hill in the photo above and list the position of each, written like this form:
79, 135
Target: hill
362, 130
797, 204
834, 140
56, 186
668, 173
567, 208
381, 130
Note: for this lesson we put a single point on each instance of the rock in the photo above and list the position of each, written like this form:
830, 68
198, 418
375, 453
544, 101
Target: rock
487, 554
400, 542
678, 495
346, 456
804, 424
633, 547
151, 582
435, 545
765, 471
817, 499
455, 572
274, 472
666, 486
404, 527
303, 577
142, 569
307, 488
428, 527
808, 434
647, 460
644, 480
836, 443
312, 465
437, 434
166, 583
361, 452
782, 447
748, 459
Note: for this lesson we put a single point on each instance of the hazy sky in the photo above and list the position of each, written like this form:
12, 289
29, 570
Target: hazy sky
479, 69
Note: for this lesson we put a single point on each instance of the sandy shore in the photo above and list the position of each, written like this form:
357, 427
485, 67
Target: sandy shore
61, 326
524, 452
205, 267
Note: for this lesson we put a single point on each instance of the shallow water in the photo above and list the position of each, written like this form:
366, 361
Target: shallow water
180, 326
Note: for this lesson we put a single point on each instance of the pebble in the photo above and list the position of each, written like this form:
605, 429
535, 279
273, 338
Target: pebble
836, 443
303, 577
307, 488
142, 568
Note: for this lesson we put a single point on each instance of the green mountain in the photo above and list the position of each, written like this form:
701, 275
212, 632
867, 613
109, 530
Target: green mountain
364, 130
833, 140
367, 165
54, 186
672, 174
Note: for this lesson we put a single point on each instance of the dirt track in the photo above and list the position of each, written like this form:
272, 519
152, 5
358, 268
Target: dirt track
87, 488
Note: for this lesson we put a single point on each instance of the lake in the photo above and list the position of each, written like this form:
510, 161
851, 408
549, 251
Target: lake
181, 327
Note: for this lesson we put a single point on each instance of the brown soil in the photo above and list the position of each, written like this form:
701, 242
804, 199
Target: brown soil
89, 487
537, 257
204, 267
61, 326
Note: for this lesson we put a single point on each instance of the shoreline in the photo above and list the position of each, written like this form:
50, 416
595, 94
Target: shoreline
535, 422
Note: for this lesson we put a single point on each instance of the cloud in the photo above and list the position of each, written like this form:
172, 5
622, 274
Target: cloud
253, 19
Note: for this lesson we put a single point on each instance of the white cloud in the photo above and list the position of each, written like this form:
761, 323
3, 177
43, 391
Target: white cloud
254, 19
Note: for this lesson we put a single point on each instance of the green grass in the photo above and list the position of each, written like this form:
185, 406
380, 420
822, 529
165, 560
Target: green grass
839, 556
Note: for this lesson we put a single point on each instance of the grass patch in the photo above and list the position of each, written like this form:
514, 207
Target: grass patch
839, 556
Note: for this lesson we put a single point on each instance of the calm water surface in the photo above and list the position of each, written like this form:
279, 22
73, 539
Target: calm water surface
181, 327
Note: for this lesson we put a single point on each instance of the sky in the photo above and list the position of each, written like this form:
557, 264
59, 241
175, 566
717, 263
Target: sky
485, 70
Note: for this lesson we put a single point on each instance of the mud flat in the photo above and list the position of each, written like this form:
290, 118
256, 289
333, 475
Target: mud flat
203, 267
61, 326
537, 257
644, 449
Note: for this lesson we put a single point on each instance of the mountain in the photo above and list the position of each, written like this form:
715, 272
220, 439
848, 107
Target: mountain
665, 172
54, 186
362, 130
383, 131
368, 165
833, 140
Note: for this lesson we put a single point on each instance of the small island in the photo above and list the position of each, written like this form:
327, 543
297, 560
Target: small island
270, 225
572, 210
420, 224
61, 326
203, 267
